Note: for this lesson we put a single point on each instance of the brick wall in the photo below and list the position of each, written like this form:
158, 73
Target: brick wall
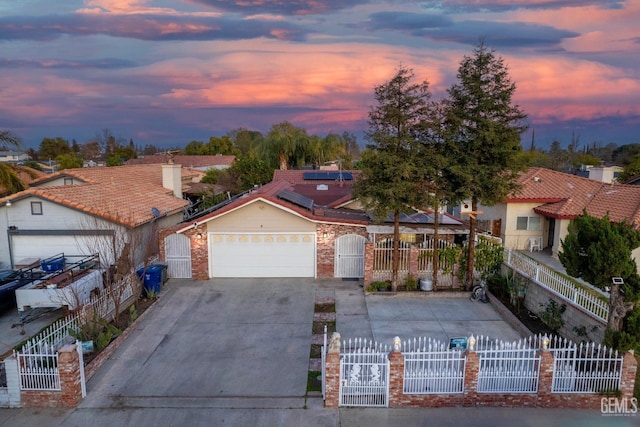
326, 254
70, 393
471, 397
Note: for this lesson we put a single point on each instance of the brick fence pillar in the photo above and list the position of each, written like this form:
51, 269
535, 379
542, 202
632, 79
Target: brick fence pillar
368, 263
332, 373
545, 379
414, 253
471, 372
629, 369
396, 375
70, 382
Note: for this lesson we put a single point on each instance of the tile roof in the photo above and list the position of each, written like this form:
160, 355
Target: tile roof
122, 194
566, 196
186, 161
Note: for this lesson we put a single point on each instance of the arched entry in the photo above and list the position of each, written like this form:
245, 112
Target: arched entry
349, 256
177, 249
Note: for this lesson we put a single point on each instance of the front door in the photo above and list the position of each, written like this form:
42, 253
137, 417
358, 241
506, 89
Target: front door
552, 232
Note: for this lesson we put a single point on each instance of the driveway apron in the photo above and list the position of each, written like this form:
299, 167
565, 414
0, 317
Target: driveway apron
218, 339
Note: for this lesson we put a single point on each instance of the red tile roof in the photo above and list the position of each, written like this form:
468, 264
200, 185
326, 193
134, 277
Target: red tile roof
566, 196
186, 161
123, 194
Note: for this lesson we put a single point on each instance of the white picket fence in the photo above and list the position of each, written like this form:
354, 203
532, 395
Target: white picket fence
431, 367
38, 356
595, 302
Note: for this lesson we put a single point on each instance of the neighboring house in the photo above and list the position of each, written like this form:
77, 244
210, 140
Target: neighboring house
202, 163
292, 227
606, 174
13, 156
538, 216
88, 210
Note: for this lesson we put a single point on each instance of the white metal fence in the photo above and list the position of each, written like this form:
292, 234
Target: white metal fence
591, 301
39, 371
586, 368
364, 374
38, 356
507, 367
383, 261
431, 367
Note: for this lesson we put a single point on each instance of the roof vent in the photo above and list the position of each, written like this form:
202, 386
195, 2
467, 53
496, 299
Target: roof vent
537, 179
322, 187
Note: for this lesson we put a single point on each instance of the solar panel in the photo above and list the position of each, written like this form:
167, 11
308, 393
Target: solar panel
327, 176
295, 198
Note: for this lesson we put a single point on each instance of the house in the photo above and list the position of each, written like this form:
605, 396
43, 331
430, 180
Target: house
295, 226
13, 156
606, 174
92, 210
538, 216
202, 163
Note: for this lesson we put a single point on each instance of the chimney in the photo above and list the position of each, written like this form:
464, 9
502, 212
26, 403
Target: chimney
172, 178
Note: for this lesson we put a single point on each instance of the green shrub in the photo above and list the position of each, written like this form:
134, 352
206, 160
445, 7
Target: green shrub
411, 283
552, 315
378, 286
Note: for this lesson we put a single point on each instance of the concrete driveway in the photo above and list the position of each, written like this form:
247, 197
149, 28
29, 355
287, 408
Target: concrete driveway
236, 352
221, 339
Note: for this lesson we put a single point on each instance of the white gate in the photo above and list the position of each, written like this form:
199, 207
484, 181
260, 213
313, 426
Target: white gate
349, 258
178, 256
364, 376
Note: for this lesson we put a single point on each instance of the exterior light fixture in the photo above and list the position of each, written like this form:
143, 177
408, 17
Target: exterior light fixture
325, 234
472, 343
199, 236
397, 344
545, 342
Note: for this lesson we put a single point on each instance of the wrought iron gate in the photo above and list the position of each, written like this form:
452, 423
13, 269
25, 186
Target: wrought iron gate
349, 262
178, 256
364, 377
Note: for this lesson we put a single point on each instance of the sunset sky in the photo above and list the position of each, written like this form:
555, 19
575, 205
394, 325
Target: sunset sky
166, 72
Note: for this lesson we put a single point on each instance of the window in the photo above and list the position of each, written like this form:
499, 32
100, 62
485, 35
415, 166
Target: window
531, 223
68, 181
36, 208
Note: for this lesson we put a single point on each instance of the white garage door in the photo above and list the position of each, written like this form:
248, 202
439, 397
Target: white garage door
262, 255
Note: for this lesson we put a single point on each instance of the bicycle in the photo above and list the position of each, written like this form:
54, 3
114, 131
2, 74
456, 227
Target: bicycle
479, 292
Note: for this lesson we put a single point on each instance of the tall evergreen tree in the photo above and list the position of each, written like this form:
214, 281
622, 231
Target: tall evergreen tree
596, 250
392, 179
487, 128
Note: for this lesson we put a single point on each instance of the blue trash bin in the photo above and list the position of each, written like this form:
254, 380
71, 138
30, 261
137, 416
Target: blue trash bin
151, 278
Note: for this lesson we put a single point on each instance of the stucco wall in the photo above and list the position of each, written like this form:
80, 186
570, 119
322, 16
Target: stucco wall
260, 217
537, 299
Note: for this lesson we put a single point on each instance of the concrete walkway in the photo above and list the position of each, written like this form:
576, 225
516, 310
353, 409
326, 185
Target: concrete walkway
236, 352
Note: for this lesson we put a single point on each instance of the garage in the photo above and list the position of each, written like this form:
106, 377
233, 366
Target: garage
282, 254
